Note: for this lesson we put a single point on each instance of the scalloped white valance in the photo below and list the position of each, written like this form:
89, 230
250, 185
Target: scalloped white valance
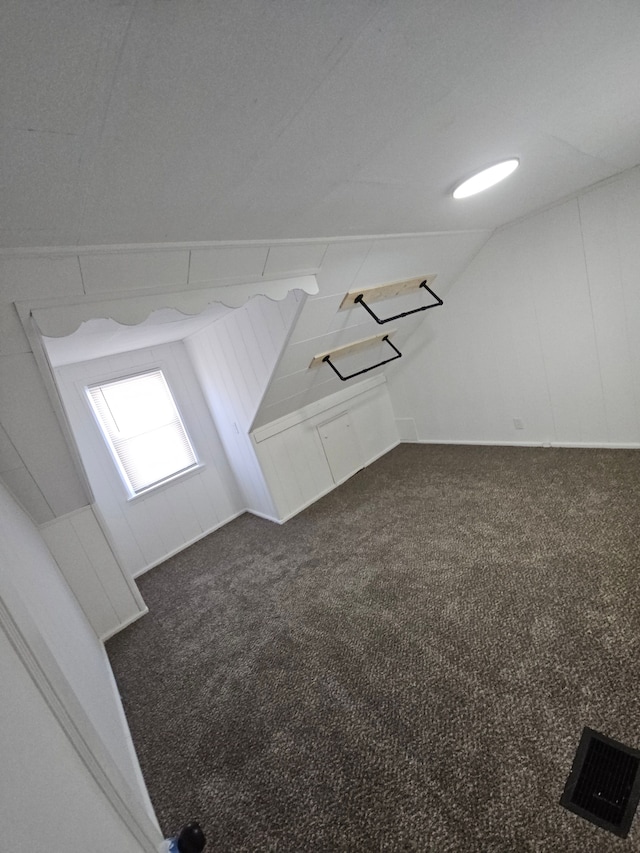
60, 317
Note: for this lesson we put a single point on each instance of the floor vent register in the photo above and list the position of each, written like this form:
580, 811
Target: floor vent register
604, 784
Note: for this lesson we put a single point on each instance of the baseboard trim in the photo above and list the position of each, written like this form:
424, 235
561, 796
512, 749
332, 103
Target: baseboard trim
380, 455
135, 761
310, 502
325, 492
187, 544
113, 631
264, 515
476, 443
601, 445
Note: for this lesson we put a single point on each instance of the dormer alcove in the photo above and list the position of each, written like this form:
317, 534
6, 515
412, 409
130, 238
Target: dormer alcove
217, 364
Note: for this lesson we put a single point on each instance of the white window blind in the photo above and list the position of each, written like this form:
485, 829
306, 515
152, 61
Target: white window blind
143, 428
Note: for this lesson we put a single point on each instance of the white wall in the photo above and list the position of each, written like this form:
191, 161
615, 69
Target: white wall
47, 787
307, 453
322, 326
149, 528
106, 593
35, 463
48, 800
544, 325
234, 359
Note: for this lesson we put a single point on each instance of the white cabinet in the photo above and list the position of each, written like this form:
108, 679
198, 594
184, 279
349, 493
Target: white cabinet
341, 447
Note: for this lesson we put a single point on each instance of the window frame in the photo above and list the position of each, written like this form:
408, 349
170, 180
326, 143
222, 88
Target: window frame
131, 494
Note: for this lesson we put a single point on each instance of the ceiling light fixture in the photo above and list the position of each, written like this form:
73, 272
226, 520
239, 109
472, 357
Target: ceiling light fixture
486, 178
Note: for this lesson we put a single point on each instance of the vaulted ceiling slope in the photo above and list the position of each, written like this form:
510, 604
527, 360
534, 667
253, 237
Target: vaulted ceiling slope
142, 121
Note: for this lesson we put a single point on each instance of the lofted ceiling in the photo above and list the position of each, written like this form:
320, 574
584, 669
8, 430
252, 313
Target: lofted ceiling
154, 121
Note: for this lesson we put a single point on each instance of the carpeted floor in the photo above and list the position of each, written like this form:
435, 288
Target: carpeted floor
405, 666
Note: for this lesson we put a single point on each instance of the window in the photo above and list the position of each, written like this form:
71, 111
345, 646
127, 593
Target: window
141, 424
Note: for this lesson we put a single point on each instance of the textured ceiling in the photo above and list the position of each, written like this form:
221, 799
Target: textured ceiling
151, 121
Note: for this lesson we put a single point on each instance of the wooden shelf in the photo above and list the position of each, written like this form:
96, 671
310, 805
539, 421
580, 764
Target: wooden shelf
386, 291
355, 346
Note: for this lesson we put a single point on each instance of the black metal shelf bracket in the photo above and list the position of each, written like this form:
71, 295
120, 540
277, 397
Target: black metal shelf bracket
327, 359
360, 300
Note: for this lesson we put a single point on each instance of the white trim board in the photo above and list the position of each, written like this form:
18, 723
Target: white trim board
264, 515
63, 315
287, 421
131, 248
604, 445
108, 634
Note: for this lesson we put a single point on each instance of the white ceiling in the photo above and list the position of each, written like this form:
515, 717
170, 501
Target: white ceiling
151, 121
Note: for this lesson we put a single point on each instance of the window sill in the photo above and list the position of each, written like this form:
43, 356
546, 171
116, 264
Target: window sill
166, 484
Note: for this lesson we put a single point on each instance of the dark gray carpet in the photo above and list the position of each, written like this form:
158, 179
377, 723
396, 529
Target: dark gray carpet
407, 665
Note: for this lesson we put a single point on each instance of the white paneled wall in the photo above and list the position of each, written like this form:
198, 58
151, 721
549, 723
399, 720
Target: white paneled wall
60, 702
34, 458
543, 326
149, 528
46, 787
322, 326
31, 424
610, 220
116, 272
305, 454
35, 462
233, 359
108, 597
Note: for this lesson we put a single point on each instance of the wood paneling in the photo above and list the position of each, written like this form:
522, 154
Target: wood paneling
543, 326
68, 664
227, 263
39, 277
23, 487
108, 599
292, 454
125, 271
610, 218
341, 446
30, 423
145, 530
233, 359
352, 266
295, 257
12, 336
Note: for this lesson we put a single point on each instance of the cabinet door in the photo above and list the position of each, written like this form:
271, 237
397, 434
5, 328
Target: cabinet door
341, 447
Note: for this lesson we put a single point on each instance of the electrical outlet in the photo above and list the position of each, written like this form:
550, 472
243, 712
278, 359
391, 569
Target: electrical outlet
518, 423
